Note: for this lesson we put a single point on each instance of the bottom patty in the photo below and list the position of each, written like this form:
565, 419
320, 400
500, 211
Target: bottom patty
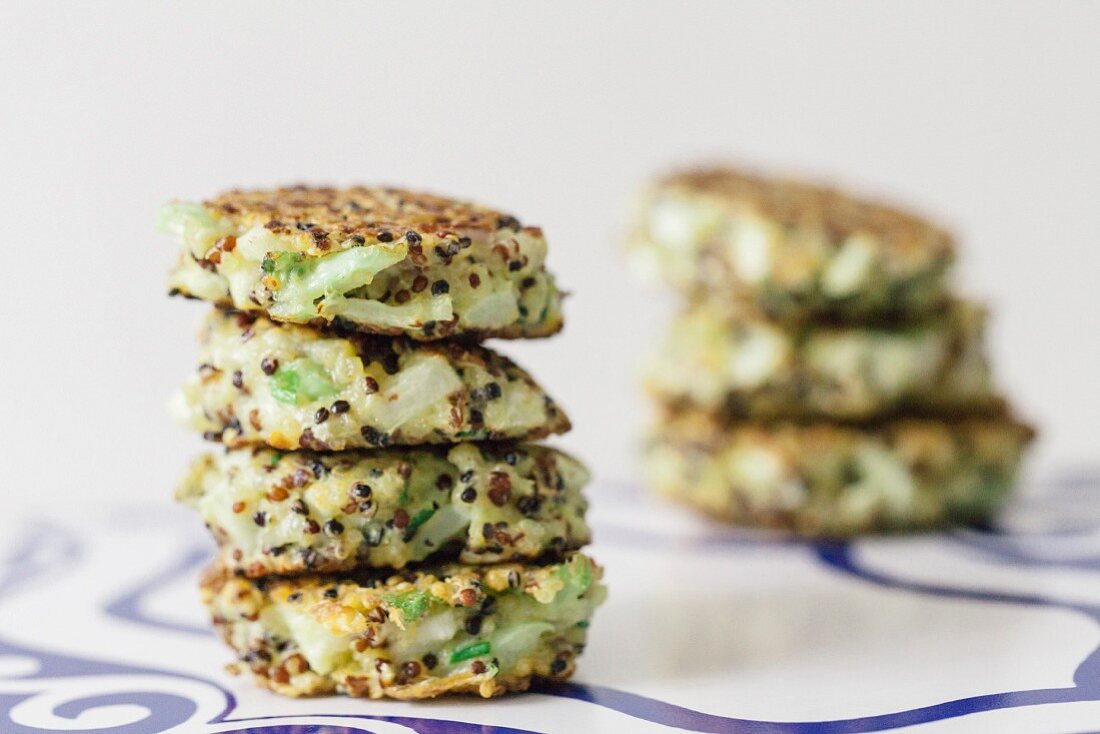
823, 479
442, 629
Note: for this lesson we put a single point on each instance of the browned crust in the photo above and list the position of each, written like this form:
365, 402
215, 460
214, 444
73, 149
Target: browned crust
375, 214
796, 203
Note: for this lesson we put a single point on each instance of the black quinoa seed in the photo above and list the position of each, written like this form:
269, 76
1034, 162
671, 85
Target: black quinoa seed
385, 236
467, 476
320, 416
558, 666
493, 390
430, 661
334, 527
440, 287
362, 491
469, 494
238, 379
340, 406
473, 625
331, 593
260, 518
412, 237
444, 482
269, 365
528, 505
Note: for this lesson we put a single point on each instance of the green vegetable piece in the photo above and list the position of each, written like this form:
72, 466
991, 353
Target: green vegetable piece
285, 265
413, 604
470, 651
300, 382
419, 519
577, 575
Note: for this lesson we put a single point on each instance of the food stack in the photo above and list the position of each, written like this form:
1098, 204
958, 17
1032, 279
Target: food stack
384, 527
822, 377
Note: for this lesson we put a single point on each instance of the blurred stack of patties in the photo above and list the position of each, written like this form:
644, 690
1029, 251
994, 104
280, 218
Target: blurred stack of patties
822, 377
384, 529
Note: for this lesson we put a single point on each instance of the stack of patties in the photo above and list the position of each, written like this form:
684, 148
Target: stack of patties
384, 527
821, 378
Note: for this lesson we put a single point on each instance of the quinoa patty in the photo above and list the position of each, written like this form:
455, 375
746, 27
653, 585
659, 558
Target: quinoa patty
439, 630
735, 361
823, 479
290, 387
379, 260
276, 513
796, 250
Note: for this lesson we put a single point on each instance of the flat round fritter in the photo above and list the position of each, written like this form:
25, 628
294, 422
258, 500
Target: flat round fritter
379, 260
291, 387
797, 250
288, 513
735, 361
824, 479
419, 634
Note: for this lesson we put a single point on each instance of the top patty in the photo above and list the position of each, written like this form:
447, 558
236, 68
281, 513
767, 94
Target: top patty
380, 260
798, 250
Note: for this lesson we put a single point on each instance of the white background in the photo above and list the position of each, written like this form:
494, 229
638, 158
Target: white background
983, 114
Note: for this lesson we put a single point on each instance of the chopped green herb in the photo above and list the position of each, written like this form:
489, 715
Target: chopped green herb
276, 459
419, 519
470, 651
583, 624
413, 604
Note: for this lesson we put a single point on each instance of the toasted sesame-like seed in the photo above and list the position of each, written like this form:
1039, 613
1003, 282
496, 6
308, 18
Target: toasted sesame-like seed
372, 385
419, 283
400, 519
340, 406
478, 667
475, 280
